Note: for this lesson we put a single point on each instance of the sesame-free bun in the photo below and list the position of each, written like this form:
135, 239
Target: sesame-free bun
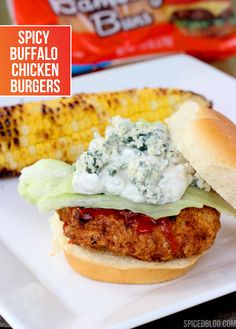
207, 139
108, 267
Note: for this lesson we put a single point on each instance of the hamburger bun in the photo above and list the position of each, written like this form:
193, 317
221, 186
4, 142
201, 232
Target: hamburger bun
207, 139
108, 267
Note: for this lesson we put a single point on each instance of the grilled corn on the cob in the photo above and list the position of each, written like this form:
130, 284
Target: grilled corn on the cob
62, 128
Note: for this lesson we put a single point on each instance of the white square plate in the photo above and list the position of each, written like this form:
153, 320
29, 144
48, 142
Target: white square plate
41, 291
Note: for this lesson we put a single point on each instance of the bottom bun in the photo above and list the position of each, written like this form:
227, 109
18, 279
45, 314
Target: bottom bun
108, 267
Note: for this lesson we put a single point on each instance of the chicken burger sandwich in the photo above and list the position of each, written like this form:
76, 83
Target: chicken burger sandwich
143, 203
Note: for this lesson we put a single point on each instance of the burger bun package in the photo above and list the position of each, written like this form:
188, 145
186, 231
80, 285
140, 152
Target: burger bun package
111, 32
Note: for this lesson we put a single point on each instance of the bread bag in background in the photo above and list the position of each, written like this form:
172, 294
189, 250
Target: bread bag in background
112, 32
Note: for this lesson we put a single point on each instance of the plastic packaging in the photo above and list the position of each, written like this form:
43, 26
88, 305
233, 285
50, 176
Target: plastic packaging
111, 32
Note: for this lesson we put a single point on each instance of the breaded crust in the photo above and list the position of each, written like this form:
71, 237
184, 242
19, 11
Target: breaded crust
109, 267
190, 233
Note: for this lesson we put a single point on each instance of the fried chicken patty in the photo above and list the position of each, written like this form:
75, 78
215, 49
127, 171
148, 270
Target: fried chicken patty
126, 233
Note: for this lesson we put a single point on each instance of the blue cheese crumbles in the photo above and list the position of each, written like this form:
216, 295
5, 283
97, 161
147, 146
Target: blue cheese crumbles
136, 161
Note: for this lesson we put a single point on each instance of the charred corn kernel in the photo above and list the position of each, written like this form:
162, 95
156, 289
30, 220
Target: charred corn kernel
74, 125
25, 130
73, 150
2, 158
23, 141
58, 154
32, 150
153, 105
62, 128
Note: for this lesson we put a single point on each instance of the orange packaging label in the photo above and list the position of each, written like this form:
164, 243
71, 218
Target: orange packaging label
35, 60
112, 30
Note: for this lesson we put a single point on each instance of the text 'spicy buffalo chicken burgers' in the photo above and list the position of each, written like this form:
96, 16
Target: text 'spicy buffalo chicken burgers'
139, 206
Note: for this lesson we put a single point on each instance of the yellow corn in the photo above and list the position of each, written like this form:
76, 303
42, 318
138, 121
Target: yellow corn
62, 128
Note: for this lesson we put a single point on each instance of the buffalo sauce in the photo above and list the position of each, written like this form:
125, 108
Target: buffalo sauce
143, 223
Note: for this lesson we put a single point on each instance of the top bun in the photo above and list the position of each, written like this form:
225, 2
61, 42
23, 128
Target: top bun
207, 139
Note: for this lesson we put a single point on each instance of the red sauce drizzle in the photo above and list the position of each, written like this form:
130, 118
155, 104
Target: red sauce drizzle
143, 223
140, 222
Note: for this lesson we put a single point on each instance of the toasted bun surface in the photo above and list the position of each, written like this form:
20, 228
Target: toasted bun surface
107, 267
207, 139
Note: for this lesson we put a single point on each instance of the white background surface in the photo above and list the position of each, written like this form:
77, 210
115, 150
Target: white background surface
41, 291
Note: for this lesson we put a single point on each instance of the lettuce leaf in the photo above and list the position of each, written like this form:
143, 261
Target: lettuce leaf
45, 178
193, 197
48, 184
